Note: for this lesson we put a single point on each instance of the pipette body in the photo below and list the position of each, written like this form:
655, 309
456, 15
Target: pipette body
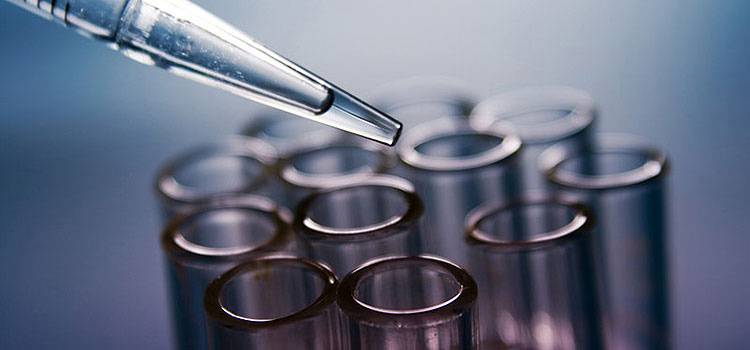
183, 38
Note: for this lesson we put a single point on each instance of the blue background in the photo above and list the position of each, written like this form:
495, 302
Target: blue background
83, 130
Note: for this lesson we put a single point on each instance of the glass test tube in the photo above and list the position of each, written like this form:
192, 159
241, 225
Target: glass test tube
541, 116
234, 166
455, 168
274, 301
330, 165
203, 243
288, 133
625, 188
533, 263
410, 303
345, 226
420, 99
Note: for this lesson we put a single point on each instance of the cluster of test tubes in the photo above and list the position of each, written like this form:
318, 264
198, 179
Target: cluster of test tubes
500, 223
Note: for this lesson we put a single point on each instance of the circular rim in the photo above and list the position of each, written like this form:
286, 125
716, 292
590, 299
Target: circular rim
315, 138
253, 149
389, 97
581, 223
218, 313
292, 176
502, 107
653, 167
421, 134
311, 229
447, 310
175, 244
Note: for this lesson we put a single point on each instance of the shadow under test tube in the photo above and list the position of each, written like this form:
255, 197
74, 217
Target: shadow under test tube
409, 303
541, 116
203, 243
348, 225
272, 302
330, 165
625, 188
234, 166
455, 168
288, 133
533, 263
422, 99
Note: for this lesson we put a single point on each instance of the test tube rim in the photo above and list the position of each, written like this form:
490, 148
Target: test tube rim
653, 168
319, 232
217, 312
176, 246
319, 137
292, 177
500, 107
582, 223
458, 93
445, 311
446, 127
250, 148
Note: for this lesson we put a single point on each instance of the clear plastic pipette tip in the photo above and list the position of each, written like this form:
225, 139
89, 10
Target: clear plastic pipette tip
350, 114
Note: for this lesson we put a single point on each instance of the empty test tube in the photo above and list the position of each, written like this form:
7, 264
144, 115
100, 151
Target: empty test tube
287, 133
348, 225
625, 187
235, 166
533, 264
421, 99
542, 117
330, 165
274, 301
455, 168
409, 303
209, 240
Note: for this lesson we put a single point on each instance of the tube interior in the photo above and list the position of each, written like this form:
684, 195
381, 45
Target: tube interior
538, 117
336, 160
409, 286
229, 228
459, 145
271, 290
358, 207
209, 174
603, 163
526, 222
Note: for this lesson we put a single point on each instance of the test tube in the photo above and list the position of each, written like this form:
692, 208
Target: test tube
409, 303
421, 99
625, 188
210, 172
207, 241
274, 301
541, 116
455, 167
533, 263
330, 165
287, 133
348, 225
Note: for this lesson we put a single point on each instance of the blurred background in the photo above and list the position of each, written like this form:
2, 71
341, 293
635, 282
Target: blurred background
83, 130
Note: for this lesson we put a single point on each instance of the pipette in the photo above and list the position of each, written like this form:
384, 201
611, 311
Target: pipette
185, 39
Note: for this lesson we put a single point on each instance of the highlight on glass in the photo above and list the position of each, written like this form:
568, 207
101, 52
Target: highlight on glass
409, 303
330, 165
625, 186
274, 301
350, 224
541, 116
455, 167
234, 166
288, 133
534, 267
207, 241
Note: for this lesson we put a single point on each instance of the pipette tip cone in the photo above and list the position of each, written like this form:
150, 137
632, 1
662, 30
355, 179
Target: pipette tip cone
350, 114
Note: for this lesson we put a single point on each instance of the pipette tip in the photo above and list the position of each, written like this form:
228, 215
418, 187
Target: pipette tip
350, 114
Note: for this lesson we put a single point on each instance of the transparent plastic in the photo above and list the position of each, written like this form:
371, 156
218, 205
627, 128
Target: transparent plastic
455, 168
212, 172
209, 240
186, 40
625, 188
348, 225
410, 303
542, 117
332, 164
272, 302
533, 263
